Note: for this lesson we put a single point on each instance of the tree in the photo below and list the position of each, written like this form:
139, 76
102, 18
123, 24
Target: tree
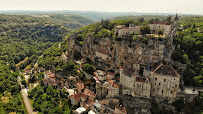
24, 83
169, 18
179, 104
160, 32
145, 29
88, 68
103, 33
141, 20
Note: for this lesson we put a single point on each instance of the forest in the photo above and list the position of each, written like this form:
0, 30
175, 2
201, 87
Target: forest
28, 37
22, 40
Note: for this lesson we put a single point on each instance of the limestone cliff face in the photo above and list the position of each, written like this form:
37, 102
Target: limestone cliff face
124, 51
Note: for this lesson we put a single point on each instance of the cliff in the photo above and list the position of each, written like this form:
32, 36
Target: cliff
108, 53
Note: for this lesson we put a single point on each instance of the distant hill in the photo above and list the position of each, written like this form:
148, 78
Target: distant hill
69, 21
94, 15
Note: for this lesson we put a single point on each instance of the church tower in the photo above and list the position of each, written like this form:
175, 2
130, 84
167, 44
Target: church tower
176, 21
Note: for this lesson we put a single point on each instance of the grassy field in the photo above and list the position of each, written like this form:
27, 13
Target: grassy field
6, 97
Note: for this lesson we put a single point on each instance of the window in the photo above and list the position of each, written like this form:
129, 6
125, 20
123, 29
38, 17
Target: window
155, 83
159, 83
162, 91
164, 80
171, 91
155, 79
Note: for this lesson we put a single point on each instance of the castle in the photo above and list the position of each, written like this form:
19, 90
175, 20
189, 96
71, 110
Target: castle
155, 26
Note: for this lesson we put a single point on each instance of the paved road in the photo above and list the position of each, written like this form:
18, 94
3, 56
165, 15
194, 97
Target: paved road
25, 98
27, 101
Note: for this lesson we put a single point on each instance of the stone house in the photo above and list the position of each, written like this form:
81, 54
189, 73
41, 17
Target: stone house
133, 84
127, 78
155, 26
75, 99
101, 88
190, 93
85, 99
165, 26
165, 82
142, 87
89, 93
113, 89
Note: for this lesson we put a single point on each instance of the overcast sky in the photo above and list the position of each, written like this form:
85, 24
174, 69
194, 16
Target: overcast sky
147, 6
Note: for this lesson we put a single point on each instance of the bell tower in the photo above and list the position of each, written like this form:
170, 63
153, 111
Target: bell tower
176, 20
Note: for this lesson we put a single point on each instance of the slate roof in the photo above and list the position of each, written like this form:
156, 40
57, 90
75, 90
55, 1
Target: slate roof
166, 70
160, 22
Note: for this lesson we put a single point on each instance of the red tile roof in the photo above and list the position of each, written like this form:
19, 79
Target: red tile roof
160, 22
103, 52
89, 93
76, 96
110, 73
120, 26
125, 29
115, 85
84, 96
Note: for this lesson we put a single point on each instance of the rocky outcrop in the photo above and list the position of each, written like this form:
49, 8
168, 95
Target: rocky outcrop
124, 51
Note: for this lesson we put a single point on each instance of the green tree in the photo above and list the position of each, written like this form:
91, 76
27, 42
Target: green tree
24, 83
88, 68
160, 32
103, 33
145, 29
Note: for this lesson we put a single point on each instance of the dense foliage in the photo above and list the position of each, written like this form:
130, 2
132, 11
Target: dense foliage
9, 84
25, 36
190, 39
49, 100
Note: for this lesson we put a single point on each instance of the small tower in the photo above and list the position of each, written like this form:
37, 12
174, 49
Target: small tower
176, 20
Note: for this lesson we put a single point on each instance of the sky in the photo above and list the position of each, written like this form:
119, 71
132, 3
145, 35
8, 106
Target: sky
145, 6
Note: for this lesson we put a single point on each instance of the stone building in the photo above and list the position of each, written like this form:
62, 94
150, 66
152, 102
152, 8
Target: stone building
122, 30
165, 82
162, 82
133, 84
165, 26
113, 89
155, 26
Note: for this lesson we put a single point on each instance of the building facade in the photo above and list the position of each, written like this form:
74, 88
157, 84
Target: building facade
162, 82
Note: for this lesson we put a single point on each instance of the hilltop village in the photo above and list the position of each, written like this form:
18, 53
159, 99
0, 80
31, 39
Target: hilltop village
129, 76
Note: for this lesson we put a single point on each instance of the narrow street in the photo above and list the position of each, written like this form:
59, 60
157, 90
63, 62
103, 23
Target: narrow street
24, 90
25, 97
